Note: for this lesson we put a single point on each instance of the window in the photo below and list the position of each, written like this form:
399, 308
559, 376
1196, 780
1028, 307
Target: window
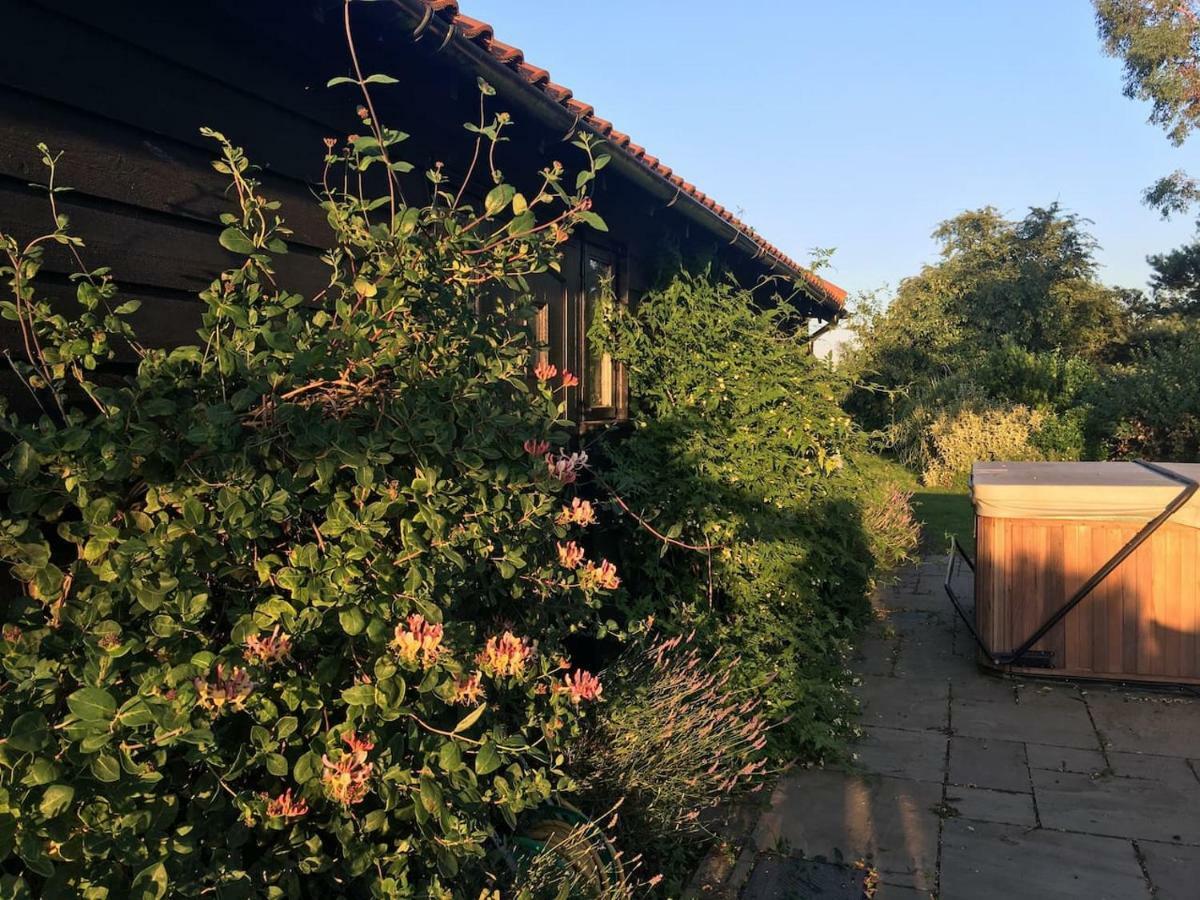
599, 304
570, 326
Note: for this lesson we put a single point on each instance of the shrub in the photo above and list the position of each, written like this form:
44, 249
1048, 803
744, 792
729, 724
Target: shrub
674, 742
891, 524
738, 460
289, 615
1151, 407
941, 443
675, 739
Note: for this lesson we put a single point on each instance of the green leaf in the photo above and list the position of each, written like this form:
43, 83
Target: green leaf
150, 884
30, 731
353, 621
380, 79
277, 764
360, 695
341, 79
594, 220
307, 768
487, 760
235, 241
498, 198
106, 768
56, 799
470, 718
92, 704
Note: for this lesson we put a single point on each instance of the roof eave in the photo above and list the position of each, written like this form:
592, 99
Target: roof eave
554, 114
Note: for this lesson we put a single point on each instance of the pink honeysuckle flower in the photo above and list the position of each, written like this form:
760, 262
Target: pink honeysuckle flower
565, 467
535, 447
603, 576
346, 777
468, 690
271, 649
544, 371
418, 640
286, 807
582, 685
505, 656
232, 689
580, 513
570, 379
570, 555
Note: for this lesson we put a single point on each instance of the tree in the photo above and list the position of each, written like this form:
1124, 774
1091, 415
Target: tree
1159, 42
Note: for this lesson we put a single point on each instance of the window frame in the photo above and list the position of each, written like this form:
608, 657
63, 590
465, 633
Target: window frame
597, 416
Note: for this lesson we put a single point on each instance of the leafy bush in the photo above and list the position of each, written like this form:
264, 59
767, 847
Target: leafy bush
890, 523
1151, 407
941, 443
675, 738
738, 461
291, 604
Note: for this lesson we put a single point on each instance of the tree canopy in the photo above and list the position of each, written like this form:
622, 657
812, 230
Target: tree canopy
1159, 42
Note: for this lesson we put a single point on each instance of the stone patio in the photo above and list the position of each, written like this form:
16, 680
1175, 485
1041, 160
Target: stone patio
970, 786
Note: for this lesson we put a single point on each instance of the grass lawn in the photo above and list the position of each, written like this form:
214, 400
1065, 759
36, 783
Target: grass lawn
944, 512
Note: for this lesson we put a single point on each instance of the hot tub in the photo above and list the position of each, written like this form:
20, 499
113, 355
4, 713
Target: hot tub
1089, 570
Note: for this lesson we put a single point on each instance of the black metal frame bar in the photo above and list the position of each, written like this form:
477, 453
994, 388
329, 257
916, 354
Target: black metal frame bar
1025, 651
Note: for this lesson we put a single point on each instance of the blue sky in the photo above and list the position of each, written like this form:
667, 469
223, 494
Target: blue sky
860, 125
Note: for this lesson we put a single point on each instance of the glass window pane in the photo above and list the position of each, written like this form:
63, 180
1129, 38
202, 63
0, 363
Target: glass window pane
599, 299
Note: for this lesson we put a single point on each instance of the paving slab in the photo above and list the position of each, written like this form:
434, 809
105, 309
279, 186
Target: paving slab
1007, 862
921, 625
982, 685
983, 805
1065, 759
933, 660
789, 878
876, 656
904, 703
1048, 723
1165, 724
920, 755
1173, 870
1135, 808
890, 822
885, 891
1170, 770
988, 763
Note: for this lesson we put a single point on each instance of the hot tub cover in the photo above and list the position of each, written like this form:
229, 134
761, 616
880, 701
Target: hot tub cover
1097, 491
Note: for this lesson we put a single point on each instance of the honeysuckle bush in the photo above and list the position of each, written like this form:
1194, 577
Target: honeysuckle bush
288, 608
746, 470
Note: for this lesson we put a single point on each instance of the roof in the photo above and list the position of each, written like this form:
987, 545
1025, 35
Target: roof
482, 36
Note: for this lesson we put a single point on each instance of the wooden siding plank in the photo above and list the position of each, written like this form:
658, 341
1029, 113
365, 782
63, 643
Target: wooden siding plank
116, 162
152, 250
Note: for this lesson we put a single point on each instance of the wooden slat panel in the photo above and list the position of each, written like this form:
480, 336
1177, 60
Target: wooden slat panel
152, 250
100, 72
1077, 568
1142, 622
1189, 597
1054, 596
137, 168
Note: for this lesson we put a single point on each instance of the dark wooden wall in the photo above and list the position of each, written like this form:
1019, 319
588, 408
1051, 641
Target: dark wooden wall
123, 86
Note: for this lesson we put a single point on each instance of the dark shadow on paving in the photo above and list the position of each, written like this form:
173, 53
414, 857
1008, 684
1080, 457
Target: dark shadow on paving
787, 878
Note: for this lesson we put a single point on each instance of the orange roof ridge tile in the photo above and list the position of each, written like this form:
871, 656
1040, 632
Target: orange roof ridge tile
482, 35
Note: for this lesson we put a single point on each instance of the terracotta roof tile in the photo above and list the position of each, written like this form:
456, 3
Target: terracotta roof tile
473, 29
583, 110
559, 93
533, 74
506, 53
481, 34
